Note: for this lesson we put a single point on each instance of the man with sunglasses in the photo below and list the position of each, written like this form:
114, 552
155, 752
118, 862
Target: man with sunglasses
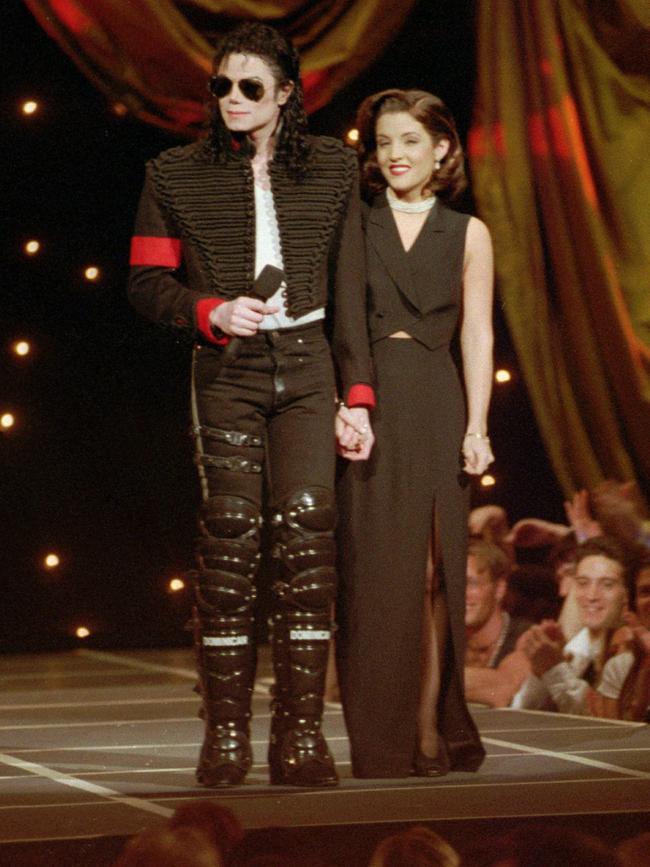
250, 240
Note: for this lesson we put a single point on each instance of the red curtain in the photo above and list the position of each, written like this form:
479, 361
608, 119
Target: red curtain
152, 57
559, 156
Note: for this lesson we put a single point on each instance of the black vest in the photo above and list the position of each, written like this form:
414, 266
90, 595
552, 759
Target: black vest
420, 291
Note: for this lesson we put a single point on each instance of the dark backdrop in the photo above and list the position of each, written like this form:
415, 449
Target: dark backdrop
98, 467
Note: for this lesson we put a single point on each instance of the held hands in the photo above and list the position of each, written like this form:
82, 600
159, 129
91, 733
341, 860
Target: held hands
241, 317
477, 453
354, 436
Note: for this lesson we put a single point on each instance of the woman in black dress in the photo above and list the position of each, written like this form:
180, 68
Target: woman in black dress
403, 513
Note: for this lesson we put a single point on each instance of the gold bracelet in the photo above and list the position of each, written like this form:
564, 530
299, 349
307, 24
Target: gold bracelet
478, 436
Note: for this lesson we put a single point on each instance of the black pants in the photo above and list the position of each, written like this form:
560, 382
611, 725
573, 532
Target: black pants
277, 389
264, 421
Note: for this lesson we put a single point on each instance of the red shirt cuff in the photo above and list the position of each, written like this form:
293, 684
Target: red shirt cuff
361, 395
202, 311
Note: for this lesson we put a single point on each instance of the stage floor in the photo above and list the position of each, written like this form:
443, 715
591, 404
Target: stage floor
97, 743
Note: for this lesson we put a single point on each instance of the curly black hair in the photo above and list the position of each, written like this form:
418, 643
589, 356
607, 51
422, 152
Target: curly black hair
292, 147
449, 180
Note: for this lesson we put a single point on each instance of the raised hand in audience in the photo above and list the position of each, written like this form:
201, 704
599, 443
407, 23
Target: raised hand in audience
578, 513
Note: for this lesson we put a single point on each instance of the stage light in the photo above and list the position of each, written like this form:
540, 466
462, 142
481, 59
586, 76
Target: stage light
119, 109
51, 561
21, 347
176, 584
487, 480
32, 247
29, 107
92, 273
352, 136
7, 420
82, 632
503, 375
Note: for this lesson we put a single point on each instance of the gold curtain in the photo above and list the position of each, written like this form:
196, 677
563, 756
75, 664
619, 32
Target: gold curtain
152, 57
560, 157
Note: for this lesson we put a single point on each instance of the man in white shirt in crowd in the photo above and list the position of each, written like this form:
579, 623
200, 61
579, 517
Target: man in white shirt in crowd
565, 674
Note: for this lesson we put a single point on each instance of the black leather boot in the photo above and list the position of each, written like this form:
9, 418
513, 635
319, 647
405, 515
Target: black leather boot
300, 635
227, 558
298, 752
226, 671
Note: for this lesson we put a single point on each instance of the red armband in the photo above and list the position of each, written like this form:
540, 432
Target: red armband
160, 252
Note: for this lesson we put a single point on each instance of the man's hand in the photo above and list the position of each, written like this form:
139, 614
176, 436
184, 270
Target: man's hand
579, 516
354, 436
543, 644
241, 317
637, 631
536, 533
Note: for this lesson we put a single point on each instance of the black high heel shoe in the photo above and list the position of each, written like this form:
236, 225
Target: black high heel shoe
428, 766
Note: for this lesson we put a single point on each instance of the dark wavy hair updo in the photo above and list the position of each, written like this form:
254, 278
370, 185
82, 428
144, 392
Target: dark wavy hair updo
449, 180
292, 146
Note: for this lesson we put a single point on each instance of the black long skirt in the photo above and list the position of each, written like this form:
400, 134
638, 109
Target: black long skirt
386, 510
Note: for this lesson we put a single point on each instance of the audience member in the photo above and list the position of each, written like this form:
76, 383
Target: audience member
276, 847
219, 823
490, 523
621, 511
494, 669
415, 847
531, 594
625, 682
170, 847
564, 673
541, 846
635, 852
562, 560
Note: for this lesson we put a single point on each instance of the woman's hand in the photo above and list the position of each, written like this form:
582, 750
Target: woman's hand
241, 317
354, 436
477, 453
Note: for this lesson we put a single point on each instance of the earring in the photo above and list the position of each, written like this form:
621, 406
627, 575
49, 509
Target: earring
436, 165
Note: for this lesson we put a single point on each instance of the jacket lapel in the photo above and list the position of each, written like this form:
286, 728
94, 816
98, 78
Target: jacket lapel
383, 236
434, 239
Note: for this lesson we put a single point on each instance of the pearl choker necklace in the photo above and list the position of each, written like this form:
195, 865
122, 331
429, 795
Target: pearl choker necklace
409, 207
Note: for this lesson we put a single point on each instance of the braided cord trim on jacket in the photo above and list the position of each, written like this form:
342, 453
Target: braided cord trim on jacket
213, 205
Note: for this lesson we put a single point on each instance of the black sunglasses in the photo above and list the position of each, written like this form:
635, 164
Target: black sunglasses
221, 85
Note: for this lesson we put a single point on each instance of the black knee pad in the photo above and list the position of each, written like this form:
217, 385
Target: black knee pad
225, 516
229, 555
311, 590
304, 544
308, 510
224, 592
306, 552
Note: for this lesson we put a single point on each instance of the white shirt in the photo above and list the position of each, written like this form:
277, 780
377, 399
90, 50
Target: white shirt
615, 673
268, 252
562, 687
